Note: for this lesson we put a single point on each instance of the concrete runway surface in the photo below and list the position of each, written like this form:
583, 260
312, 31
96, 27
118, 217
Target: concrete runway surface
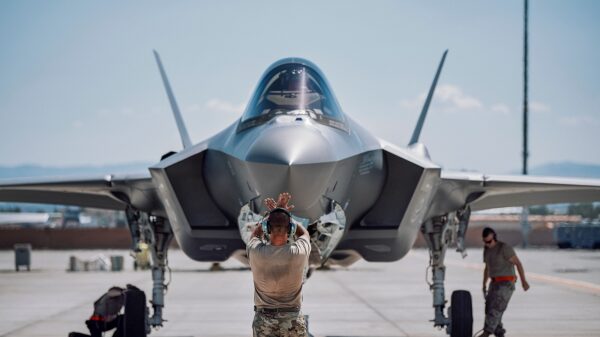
367, 299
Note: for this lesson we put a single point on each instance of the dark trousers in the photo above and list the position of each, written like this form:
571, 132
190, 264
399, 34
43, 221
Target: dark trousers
498, 296
98, 327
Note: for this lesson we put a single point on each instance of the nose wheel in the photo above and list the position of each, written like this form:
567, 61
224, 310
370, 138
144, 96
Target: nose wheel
461, 314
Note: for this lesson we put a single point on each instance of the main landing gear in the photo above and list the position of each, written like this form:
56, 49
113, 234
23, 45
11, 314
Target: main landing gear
441, 232
156, 232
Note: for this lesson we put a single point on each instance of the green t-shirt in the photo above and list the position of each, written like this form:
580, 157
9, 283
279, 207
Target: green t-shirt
496, 260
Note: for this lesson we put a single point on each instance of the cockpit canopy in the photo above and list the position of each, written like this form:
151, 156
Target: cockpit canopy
293, 87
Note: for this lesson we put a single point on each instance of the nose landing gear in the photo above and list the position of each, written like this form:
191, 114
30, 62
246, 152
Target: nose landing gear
156, 232
440, 232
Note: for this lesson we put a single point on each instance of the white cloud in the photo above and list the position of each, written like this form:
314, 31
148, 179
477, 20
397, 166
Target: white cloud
535, 106
500, 108
448, 98
577, 121
222, 106
413, 104
455, 99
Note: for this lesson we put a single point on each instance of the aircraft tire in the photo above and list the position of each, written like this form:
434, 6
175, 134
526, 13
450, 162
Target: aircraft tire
461, 314
134, 321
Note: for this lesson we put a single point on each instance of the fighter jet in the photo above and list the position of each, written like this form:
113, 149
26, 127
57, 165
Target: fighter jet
360, 196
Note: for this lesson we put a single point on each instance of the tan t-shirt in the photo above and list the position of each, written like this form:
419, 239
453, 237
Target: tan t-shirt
278, 272
497, 260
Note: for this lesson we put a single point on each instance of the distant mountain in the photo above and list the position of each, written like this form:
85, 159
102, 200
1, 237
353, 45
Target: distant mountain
567, 169
23, 171
559, 169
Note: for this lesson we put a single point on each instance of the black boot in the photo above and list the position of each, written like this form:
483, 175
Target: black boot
500, 331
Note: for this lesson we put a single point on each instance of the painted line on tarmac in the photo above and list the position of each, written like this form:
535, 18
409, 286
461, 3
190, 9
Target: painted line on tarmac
588, 287
580, 285
561, 281
361, 299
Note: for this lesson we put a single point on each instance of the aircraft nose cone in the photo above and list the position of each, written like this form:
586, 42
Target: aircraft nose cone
287, 145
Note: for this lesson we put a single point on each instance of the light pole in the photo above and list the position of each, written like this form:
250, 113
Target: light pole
525, 227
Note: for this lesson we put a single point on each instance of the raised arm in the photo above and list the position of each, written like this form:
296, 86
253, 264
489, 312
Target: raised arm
258, 231
301, 231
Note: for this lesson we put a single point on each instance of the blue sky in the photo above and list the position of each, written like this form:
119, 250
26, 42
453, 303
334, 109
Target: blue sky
78, 83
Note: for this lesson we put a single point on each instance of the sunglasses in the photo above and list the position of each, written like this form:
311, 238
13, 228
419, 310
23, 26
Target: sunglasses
488, 242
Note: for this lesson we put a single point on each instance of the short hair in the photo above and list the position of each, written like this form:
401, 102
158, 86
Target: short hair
487, 231
279, 221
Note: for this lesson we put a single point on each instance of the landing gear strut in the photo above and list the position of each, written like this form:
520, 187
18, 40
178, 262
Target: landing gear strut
440, 232
156, 232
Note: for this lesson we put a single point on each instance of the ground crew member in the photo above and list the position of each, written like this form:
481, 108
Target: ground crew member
500, 261
278, 269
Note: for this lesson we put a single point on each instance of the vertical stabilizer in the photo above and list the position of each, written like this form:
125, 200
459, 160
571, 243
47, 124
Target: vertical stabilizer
185, 137
415, 136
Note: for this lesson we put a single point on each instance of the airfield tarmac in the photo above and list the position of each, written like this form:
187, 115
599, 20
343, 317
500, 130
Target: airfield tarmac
367, 299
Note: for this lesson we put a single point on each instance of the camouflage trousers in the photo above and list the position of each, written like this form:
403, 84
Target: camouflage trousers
496, 301
279, 324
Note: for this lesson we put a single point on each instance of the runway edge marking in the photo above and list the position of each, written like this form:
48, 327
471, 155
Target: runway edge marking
565, 282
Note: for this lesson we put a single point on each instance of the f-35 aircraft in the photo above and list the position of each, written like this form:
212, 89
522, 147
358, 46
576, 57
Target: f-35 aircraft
360, 196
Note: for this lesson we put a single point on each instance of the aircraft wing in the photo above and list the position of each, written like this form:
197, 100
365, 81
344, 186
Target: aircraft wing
493, 191
108, 192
